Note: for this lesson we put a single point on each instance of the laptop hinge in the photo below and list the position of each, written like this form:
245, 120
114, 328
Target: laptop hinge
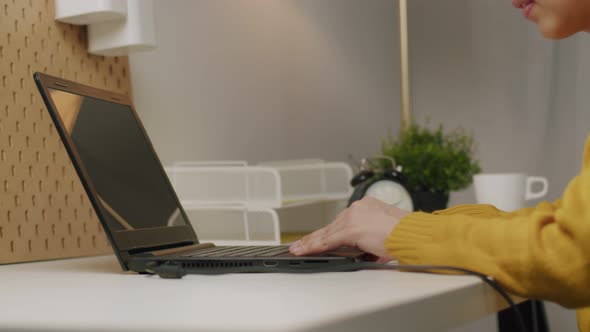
172, 251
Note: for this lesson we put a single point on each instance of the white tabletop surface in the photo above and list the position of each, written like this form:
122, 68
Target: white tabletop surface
93, 294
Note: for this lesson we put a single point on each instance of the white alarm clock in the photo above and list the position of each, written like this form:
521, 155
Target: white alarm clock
386, 184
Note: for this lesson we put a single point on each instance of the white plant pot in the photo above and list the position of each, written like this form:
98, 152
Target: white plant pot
82, 12
117, 38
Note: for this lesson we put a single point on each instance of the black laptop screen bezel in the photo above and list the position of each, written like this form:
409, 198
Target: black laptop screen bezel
124, 242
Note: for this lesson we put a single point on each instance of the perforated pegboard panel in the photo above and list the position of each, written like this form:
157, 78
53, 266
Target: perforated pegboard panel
44, 210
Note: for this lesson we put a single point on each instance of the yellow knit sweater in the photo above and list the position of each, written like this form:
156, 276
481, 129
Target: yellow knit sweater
541, 252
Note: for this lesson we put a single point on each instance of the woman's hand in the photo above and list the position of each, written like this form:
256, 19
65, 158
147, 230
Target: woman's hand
365, 225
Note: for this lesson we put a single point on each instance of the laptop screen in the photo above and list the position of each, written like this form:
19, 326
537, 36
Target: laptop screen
132, 190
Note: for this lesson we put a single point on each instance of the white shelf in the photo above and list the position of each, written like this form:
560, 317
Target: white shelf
313, 179
208, 184
235, 225
241, 225
269, 185
231, 203
89, 12
137, 32
115, 27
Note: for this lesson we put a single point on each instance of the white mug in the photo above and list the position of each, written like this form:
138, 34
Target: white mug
508, 192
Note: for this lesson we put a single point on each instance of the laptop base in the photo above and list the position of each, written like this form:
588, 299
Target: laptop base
175, 269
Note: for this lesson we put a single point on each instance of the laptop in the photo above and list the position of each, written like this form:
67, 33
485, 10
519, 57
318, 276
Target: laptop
134, 199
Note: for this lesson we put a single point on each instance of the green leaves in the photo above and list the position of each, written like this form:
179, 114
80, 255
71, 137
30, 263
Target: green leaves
433, 160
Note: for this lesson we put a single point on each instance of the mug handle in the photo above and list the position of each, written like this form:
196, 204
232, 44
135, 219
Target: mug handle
530, 195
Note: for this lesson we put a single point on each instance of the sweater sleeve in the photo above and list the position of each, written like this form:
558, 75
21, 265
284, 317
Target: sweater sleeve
488, 211
481, 210
542, 252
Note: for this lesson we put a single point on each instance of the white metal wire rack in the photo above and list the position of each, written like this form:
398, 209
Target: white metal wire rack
232, 203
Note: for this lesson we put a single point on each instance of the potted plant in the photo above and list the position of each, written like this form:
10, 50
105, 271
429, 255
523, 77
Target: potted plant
433, 162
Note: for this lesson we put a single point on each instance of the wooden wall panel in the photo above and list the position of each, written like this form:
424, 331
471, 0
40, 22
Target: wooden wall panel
44, 211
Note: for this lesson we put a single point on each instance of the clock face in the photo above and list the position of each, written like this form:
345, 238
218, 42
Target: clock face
391, 193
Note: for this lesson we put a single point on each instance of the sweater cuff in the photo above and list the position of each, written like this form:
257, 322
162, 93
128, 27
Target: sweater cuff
415, 237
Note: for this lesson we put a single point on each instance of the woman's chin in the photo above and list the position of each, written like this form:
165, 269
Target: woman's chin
553, 31
557, 35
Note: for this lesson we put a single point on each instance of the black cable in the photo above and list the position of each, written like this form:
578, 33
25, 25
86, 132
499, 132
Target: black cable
175, 270
483, 277
534, 316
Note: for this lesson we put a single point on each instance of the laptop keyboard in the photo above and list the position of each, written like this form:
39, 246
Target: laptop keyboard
240, 251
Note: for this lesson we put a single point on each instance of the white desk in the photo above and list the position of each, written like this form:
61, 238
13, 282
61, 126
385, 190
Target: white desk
92, 294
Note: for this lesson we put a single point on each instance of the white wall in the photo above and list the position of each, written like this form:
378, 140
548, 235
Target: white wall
264, 80
269, 79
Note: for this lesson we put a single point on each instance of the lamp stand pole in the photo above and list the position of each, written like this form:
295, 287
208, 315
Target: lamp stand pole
405, 65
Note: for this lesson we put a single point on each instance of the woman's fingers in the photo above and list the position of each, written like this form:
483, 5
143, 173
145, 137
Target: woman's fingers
365, 225
318, 241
